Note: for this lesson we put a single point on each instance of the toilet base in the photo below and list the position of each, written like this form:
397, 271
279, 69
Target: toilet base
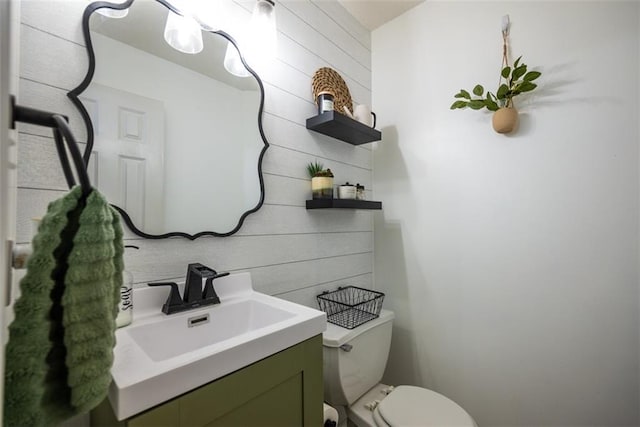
359, 414
342, 416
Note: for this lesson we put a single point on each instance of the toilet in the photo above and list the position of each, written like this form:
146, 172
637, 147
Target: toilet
354, 361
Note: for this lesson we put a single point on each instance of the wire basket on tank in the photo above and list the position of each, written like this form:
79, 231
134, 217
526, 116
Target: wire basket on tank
350, 306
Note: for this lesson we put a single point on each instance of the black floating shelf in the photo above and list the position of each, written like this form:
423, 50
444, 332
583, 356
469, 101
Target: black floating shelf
343, 128
343, 204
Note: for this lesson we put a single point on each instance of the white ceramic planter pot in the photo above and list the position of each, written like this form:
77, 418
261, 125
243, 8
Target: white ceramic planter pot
505, 120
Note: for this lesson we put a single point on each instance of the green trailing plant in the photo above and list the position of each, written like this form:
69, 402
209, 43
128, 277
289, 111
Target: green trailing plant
517, 81
317, 169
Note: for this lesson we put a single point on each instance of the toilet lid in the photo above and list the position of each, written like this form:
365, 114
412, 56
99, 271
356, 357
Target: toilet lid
416, 406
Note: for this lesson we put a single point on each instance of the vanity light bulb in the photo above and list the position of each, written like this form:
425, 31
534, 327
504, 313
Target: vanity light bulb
183, 33
262, 35
233, 63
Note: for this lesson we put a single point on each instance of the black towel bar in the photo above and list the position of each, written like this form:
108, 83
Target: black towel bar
61, 134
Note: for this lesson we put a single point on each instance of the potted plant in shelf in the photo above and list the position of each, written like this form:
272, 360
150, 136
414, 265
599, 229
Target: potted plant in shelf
517, 80
321, 181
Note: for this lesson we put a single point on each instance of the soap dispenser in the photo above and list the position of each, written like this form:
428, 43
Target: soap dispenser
125, 308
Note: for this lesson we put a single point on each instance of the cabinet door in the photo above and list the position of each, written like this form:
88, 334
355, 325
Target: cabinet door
280, 406
282, 390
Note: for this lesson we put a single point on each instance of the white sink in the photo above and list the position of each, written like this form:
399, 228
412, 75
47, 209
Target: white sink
192, 331
161, 356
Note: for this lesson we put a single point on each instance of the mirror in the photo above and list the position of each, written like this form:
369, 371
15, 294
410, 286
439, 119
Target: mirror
175, 141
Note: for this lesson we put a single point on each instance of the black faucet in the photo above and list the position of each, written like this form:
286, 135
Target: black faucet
194, 295
193, 286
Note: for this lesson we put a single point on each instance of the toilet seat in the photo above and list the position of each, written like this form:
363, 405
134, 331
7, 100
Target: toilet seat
415, 406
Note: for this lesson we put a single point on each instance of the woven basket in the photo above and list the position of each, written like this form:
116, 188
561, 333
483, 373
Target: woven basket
328, 80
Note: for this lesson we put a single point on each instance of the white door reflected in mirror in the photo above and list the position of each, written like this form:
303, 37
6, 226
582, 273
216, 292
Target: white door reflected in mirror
128, 152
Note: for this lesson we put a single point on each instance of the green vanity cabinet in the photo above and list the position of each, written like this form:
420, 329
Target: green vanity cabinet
284, 389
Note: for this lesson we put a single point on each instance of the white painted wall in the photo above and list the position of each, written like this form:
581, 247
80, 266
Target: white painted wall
291, 252
512, 261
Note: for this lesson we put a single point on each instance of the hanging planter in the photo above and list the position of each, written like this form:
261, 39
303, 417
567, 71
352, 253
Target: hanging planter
505, 119
513, 81
517, 81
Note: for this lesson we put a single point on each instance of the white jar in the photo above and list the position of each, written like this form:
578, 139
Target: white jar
347, 191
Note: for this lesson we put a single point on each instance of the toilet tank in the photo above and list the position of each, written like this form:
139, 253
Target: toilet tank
354, 359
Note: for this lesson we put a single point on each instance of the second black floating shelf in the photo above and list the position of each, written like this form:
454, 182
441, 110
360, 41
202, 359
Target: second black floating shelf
341, 127
343, 204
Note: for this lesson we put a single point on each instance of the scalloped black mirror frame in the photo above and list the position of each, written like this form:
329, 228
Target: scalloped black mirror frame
74, 97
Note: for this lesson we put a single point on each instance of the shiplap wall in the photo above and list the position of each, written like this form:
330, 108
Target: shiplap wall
290, 252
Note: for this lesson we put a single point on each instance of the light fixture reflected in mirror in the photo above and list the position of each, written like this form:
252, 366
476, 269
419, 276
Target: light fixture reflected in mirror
232, 62
183, 33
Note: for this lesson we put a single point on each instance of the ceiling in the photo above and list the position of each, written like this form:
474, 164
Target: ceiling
374, 13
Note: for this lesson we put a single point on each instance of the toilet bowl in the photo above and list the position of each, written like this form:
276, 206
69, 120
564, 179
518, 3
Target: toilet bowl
354, 361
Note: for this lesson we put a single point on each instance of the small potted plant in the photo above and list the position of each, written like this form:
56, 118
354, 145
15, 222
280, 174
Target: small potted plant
517, 80
321, 181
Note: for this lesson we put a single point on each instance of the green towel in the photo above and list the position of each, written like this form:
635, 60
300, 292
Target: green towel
60, 348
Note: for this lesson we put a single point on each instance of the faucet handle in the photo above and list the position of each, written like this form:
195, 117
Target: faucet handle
174, 302
209, 292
